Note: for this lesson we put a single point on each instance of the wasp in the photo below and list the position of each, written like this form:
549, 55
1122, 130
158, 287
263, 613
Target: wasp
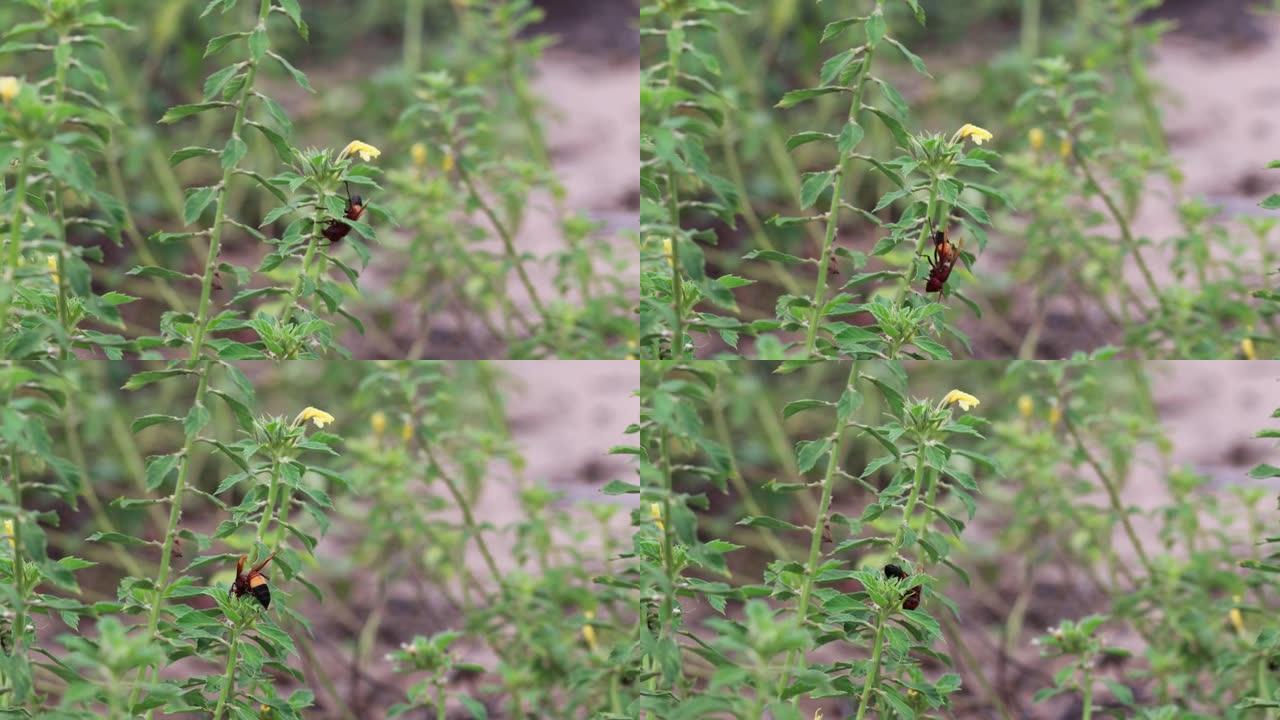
254, 582
911, 600
945, 255
337, 229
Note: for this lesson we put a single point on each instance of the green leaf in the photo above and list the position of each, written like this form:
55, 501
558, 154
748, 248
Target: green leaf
813, 187
798, 406
795, 97
158, 468
809, 451
765, 521
118, 538
197, 418
180, 111
142, 379
218, 80
298, 76
774, 256
803, 138
189, 152
850, 136
234, 152
197, 200
147, 421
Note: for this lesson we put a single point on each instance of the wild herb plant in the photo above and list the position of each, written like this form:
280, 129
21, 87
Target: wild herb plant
1098, 153
1173, 635
272, 506
765, 655
927, 194
482, 171
51, 124
680, 111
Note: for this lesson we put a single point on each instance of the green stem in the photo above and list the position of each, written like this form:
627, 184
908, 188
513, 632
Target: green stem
815, 536
833, 212
912, 500
269, 510
307, 270
1030, 28
1086, 694
668, 562
864, 703
19, 566
926, 230
414, 14
14, 255
508, 242
215, 236
441, 714
673, 211
166, 551
229, 677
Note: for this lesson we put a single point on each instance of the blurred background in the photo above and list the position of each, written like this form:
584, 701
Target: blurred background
430, 289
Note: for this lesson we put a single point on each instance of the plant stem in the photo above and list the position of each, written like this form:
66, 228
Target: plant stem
833, 212
673, 210
269, 510
508, 242
296, 291
14, 255
1030, 28
19, 566
215, 236
1086, 698
815, 537
1113, 491
229, 677
912, 500
739, 484
166, 550
414, 14
865, 701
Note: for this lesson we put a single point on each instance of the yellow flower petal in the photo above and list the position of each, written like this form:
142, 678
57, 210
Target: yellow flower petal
668, 250
419, 154
589, 632
9, 87
366, 151
1026, 406
378, 422
1064, 148
1246, 347
8, 532
1036, 137
961, 398
655, 512
447, 163
51, 262
973, 132
406, 432
1055, 414
315, 415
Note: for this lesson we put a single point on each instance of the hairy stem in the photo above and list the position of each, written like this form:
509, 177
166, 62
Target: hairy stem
864, 702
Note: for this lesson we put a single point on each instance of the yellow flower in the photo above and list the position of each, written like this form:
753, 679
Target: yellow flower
366, 151
655, 512
1055, 414
9, 87
419, 154
1237, 618
669, 250
378, 421
1036, 137
1026, 406
817, 715
1064, 148
589, 632
961, 398
1246, 346
447, 163
52, 263
973, 132
319, 417
8, 532
406, 432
